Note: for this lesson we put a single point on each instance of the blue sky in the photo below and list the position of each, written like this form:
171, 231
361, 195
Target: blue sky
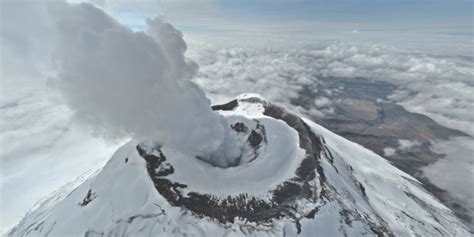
456, 15
452, 11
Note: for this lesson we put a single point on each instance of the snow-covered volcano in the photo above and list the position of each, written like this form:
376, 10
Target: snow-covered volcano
292, 178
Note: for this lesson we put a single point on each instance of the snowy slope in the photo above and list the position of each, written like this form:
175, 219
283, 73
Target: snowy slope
293, 178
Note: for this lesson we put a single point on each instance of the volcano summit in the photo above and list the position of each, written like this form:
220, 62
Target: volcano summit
292, 177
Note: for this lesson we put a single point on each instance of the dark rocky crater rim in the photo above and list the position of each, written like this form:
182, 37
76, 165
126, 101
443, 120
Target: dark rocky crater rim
243, 206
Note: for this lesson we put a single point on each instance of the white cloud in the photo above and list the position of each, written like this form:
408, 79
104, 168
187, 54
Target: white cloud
322, 107
433, 81
41, 150
403, 145
322, 102
455, 172
429, 81
406, 145
389, 151
121, 83
135, 13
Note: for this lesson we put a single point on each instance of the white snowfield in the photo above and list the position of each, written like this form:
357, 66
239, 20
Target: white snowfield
277, 163
121, 199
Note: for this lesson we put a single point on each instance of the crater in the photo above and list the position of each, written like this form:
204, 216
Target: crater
283, 199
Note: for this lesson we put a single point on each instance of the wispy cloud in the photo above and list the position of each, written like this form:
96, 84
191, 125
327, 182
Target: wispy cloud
433, 81
455, 172
434, 84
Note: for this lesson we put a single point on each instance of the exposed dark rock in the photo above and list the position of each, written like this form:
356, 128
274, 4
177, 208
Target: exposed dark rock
261, 130
255, 139
363, 113
362, 189
88, 198
226, 107
311, 214
243, 206
239, 127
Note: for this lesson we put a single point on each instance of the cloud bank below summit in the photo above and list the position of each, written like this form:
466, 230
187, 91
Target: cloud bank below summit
430, 81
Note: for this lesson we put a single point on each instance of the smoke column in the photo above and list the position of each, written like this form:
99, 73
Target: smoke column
119, 82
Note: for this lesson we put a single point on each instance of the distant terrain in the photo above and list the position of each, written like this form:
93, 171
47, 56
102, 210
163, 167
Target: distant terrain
360, 110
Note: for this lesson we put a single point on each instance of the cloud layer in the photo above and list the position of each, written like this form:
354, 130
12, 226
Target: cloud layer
455, 173
40, 151
436, 82
429, 81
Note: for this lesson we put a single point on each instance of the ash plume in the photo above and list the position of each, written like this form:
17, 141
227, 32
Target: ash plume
119, 82
136, 84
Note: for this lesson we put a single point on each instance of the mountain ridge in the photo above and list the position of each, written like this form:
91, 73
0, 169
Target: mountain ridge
296, 178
